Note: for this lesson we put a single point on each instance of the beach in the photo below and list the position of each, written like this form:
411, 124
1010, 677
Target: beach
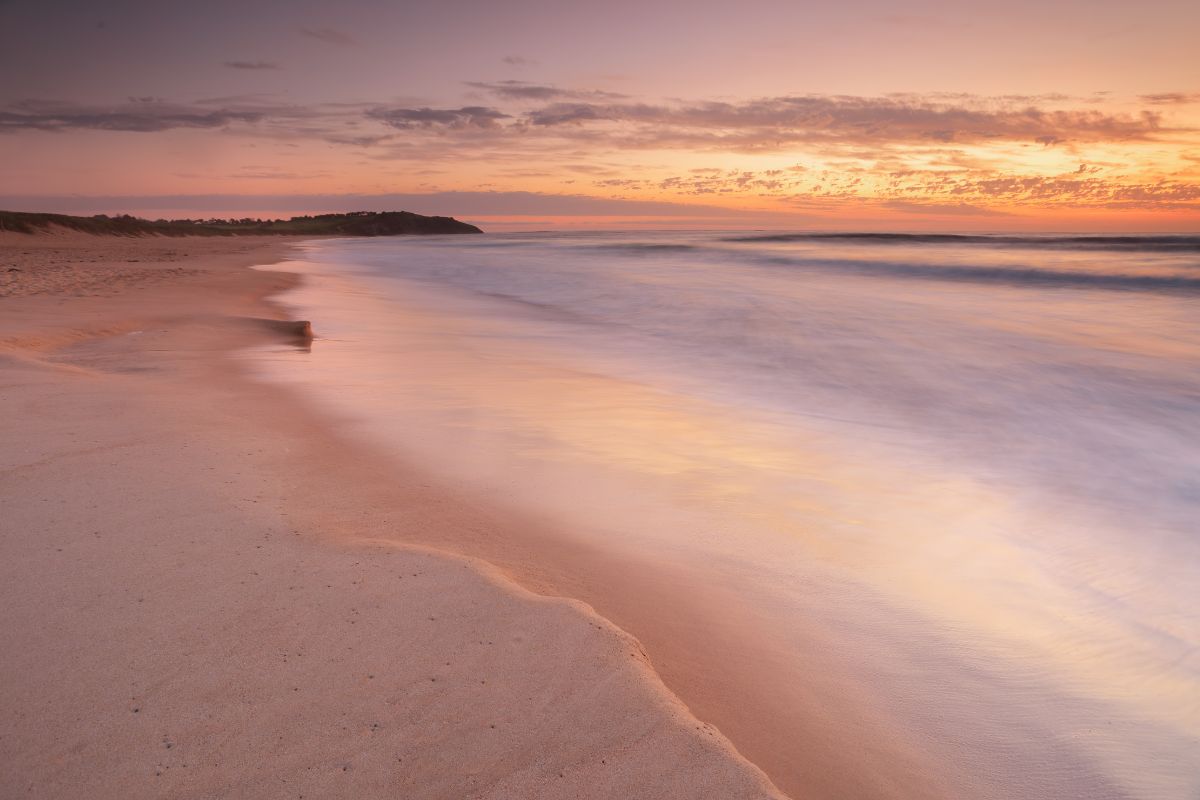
627, 514
573, 400
902, 515
200, 599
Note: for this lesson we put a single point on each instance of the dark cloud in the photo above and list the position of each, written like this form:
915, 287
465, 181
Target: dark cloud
251, 65
572, 113
829, 126
328, 35
449, 118
517, 90
778, 121
249, 98
522, 90
1171, 98
144, 115
519, 61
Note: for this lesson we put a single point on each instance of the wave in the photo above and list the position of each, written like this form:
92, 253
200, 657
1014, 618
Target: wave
1186, 243
637, 248
1014, 276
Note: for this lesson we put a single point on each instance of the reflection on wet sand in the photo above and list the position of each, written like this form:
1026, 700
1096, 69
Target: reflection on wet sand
895, 537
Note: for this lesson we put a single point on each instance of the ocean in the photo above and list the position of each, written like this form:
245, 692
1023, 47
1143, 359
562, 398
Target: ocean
904, 515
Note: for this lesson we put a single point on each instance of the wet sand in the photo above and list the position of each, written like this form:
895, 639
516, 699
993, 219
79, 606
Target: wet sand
764, 484
200, 598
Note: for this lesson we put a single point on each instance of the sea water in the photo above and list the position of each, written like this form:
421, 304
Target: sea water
966, 466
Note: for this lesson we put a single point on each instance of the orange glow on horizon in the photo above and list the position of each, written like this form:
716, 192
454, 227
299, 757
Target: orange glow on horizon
1035, 118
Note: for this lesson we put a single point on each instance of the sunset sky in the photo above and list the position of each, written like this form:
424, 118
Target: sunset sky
955, 116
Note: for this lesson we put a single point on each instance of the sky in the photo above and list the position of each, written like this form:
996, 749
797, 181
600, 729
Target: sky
1041, 116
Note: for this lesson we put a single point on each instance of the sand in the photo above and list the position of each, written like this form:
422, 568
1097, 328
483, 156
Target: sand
187, 612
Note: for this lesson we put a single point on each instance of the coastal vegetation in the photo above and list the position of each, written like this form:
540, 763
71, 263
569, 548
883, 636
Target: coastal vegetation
356, 223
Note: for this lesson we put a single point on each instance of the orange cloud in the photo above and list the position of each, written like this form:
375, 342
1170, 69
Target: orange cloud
953, 155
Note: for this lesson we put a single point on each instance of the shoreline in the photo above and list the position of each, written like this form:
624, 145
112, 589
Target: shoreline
128, 397
864, 661
802, 715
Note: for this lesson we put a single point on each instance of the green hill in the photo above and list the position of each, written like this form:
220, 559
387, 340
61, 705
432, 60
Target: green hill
357, 223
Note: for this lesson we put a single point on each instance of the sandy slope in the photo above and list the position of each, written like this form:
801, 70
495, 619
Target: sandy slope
176, 625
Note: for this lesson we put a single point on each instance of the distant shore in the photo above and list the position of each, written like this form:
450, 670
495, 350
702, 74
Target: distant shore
355, 223
178, 624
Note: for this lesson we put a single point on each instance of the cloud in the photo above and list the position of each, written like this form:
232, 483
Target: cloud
777, 122
143, 115
572, 113
251, 98
519, 61
259, 115
709, 181
959, 192
522, 90
251, 65
1074, 189
517, 90
853, 127
1170, 98
957, 152
328, 35
449, 118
